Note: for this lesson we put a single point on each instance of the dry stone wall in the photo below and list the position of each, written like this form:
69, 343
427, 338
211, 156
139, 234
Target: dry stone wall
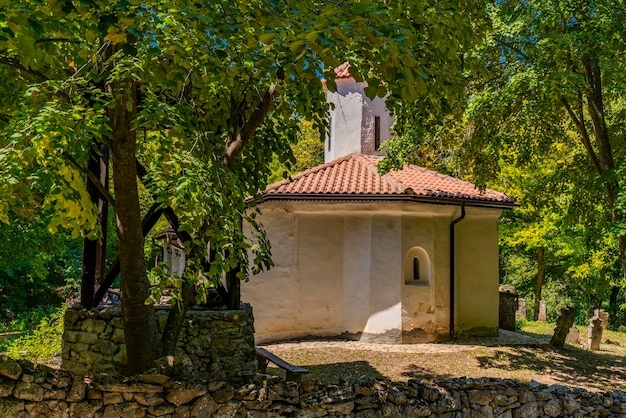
213, 344
25, 392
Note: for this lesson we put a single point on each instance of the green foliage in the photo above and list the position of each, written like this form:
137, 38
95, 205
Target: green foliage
308, 152
205, 94
43, 343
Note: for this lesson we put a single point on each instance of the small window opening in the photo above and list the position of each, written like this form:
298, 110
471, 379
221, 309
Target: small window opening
330, 131
416, 267
377, 132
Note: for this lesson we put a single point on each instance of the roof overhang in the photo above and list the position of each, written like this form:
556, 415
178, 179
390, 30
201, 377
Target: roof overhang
387, 197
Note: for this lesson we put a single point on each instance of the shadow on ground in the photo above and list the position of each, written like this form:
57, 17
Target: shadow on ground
568, 365
333, 372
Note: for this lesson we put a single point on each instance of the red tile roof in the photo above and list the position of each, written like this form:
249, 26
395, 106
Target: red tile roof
342, 70
355, 177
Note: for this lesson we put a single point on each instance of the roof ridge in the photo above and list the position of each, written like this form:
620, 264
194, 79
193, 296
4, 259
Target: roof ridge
308, 172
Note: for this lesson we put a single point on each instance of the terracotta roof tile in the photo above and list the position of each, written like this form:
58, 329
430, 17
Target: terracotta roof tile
342, 70
356, 176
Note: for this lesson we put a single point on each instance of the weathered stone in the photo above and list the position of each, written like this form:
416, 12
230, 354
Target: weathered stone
148, 399
528, 410
93, 326
570, 404
10, 368
120, 356
204, 406
80, 337
85, 409
132, 410
552, 408
118, 336
224, 395
181, 394
484, 411
154, 379
503, 400
57, 394
78, 390
28, 391
480, 397
93, 393
341, 408
594, 334
128, 388
61, 381
573, 336
91, 357
6, 389
183, 411
526, 396
161, 410
107, 347
109, 398
563, 325
28, 378
257, 405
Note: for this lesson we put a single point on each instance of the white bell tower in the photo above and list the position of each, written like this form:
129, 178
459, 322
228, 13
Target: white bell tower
357, 124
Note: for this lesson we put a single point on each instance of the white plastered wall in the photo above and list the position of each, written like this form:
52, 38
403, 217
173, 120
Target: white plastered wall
352, 121
477, 272
338, 270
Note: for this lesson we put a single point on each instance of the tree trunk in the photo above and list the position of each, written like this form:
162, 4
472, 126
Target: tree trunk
140, 329
174, 322
541, 274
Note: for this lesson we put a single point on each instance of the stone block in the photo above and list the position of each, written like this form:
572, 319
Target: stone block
118, 336
10, 368
120, 357
181, 394
80, 337
107, 347
93, 325
28, 391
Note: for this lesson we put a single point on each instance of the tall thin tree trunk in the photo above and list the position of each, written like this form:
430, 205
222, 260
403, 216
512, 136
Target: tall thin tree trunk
541, 274
142, 340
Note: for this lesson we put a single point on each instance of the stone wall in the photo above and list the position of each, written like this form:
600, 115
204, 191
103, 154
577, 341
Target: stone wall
58, 394
213, 344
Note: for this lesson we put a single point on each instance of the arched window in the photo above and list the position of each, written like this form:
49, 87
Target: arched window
416, 267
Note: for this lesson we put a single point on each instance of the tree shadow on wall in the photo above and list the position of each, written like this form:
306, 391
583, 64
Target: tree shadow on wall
332, 372
568, 366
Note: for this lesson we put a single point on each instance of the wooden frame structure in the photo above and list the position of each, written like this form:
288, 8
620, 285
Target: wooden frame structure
95, 280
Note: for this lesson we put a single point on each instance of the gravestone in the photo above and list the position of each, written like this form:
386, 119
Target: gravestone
521, 308
563, 325
604, 317
508, 307
594, 333
542, 311
573, 336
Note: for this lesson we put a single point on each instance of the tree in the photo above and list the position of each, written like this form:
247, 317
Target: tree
549, 69
207, 92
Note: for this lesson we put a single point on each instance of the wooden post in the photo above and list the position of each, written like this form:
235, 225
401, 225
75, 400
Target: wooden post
94, 251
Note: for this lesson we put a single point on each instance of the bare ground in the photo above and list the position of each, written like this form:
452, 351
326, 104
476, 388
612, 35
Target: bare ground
331, 361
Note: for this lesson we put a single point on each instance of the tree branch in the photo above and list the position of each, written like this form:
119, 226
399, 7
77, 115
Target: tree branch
12, 62
95, 180
582, 130
235, 148
68, 40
